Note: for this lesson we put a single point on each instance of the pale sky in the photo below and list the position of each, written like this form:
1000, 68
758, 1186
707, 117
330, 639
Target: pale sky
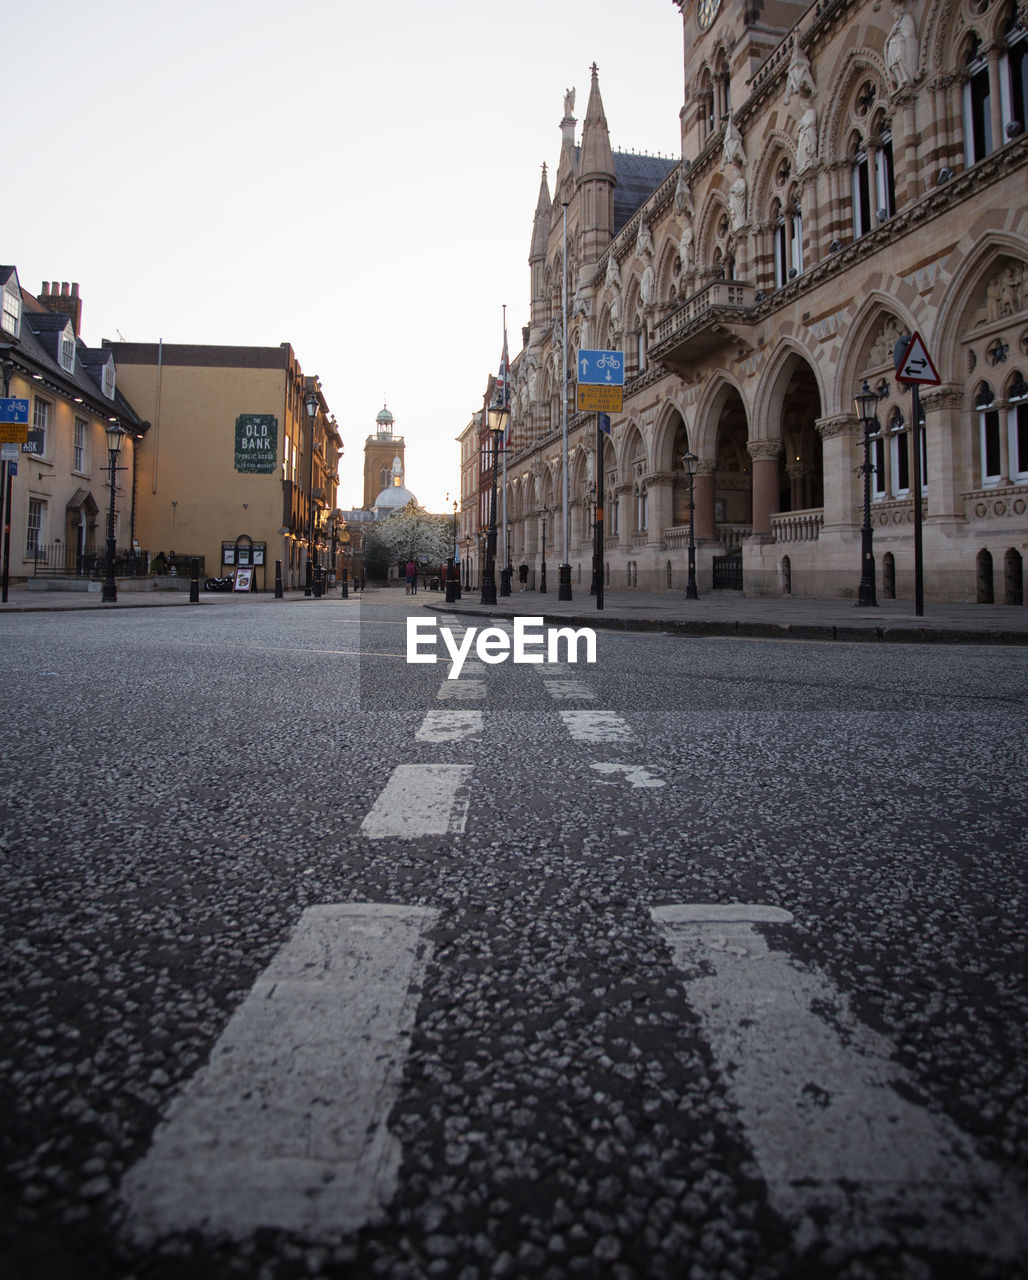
356, 179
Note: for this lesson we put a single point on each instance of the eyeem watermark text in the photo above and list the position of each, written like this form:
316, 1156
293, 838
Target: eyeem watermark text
494, 645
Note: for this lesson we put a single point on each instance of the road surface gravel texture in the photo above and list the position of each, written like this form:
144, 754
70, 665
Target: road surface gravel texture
703, 961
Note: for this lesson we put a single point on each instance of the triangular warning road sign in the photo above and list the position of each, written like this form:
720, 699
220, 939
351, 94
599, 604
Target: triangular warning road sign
916, 364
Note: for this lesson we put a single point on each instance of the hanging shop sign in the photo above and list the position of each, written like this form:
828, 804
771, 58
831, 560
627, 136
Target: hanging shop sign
256, 443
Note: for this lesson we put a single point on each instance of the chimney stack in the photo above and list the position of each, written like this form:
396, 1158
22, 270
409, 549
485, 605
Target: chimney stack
65, 302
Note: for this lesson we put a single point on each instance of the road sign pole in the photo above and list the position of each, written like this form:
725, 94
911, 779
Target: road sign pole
598, 531
915, 445
6, 479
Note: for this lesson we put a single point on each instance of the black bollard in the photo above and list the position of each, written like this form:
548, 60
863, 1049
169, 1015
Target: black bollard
194, 581
278, 579
346, 587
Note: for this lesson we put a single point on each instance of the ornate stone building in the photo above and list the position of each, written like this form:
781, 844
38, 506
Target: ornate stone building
850, 172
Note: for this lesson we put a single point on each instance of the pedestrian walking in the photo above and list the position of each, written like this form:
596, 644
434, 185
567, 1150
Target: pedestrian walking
412, 578
523, 575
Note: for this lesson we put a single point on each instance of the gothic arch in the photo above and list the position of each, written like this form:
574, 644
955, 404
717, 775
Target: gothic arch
715, 206
977, 262
777, 146
633, 446
853, 357
719, 390
859, 64
672, 417
770, 393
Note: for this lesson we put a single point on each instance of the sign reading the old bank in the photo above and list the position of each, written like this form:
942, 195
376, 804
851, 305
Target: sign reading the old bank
256, 443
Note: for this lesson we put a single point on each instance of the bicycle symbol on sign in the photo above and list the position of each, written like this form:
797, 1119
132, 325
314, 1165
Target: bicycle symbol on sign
597, 367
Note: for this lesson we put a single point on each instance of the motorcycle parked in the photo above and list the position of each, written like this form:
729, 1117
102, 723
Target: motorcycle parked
219, 584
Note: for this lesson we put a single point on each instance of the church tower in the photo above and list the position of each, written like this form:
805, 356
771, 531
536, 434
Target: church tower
380, 450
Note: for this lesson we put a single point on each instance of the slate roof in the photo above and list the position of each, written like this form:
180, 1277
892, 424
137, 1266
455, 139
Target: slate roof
31, 352
636, 177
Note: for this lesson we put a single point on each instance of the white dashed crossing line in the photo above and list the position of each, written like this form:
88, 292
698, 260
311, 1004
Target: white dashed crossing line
420, 800
595, 726
449, 726
573, 690
845, 1154
286, 1125
462, 691
634, 774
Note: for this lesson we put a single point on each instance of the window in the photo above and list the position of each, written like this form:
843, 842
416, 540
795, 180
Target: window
861, 183
108, 380
977, 105
34, 529
79, 463
1017, 428
988, 434
899, 454
1013, 79
37, 441
66, 357
885, 176
10, 318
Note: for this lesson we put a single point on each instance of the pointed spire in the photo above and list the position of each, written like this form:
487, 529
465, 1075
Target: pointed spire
541, 225
597, 159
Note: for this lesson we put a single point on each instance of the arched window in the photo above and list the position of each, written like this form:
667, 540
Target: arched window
860, 170
885, 173
1013, 78
705, 103
899, 457
978, 140
988, 435
787, 222
1017, 427
722, 88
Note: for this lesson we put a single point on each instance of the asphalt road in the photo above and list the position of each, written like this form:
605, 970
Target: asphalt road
705, 960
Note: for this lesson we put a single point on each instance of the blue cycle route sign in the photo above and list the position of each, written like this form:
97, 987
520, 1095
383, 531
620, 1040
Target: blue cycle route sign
14, 409
601, 368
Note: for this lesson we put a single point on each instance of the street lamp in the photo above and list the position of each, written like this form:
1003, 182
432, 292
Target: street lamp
542, 570
116, 436
866, 402
498, 415
312, 413
452, 582
690, 461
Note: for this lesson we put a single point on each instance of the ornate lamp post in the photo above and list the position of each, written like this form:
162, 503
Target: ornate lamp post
542, 571
116, 436
312, 413
866, 402
498, 416
690, 461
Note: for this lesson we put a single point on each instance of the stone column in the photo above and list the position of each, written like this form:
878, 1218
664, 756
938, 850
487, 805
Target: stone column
703, 499
842, 441
765, 454
661, 488
947, 445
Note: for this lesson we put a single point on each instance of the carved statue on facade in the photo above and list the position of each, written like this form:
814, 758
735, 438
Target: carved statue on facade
612, 280
648, 286
806, 143
683, 196
643, 239
685, 244
569, 102
901, 48
737, 201
800, 80
732, 151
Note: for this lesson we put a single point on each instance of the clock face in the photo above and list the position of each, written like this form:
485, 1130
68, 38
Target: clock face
706, 11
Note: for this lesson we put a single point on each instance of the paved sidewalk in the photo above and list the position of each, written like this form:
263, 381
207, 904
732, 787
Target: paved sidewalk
719, 614
784, 617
